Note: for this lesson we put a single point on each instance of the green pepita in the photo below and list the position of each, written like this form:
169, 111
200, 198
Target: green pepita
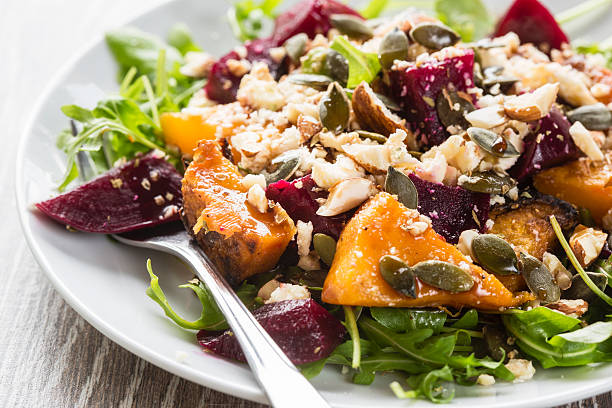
434, 36
494, 254
296, 47
444, 275
593, 117
580, 290
539, 279
377, 137
452, 106
334, 110
492, 143
319, 82
388, 102
298, 276
397, 274
487, 182
288, 163
496, 340
351, 26
325, 247
399, 184
336, 66
394, 46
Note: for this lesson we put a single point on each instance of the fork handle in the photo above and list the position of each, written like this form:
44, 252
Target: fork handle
283, 384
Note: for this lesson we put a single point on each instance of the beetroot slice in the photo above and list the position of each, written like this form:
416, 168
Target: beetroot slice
533, 23
222, 85
416, 88
310, 17
548, 144
142, 193
302, 328
452, 209
298, 198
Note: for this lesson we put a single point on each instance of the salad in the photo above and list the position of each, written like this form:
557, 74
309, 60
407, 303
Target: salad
423, 191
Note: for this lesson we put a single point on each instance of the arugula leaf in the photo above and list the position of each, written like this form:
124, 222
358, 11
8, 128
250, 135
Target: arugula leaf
312, 369
469, 18
553, 338
401, 319
363, 66
430, 385
374, 8
249, 19
134, 48
350, 321
180, 38
603, 48
468, 321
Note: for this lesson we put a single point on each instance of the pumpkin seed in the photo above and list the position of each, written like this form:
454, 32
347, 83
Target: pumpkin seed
539, 279
319, 82
496, 340
325, 247
377, 137
580, 290
388, 102
492, 143
487, 182
593, 117
394, 46
334, 110
397, 274
444, 275
298, 276
399, 184
296, 47
351, 26
434, 36
336, 66
289, 163
494, 254
452, 107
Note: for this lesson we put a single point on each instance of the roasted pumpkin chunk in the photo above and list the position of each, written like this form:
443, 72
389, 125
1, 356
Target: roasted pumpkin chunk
185, 129
525, 223
385, 227
582, 182
239, 239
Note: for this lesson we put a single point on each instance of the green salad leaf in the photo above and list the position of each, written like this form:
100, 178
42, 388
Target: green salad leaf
250, 19
400, 319
363, 66
556, 339
180, 38
469, 18
374, 8
603, 48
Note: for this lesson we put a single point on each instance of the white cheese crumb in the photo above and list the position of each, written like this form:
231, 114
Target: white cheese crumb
585, 142
256, 196
287, 291
485, 379
304, 237
250, 180
522, 369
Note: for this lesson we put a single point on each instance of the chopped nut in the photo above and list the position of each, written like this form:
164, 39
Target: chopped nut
465, 242
562, 276
256, 196
154, 175
585, 142
277, 54
573, 307
308, 126
485, 379
522, 369
169, 196
346, 195
197, 64
326, 175
587, 243
532, 106
238, 67
250, 180
146, 184
266, 290
116, 182
159, 200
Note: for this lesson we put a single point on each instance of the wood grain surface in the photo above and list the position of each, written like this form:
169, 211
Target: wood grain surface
49, 356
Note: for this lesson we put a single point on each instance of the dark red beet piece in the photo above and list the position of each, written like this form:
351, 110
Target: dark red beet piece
533, 23
302, 328
548, 144
300, 204
123, 199
452, 209
222, 85
310, 17
416, 89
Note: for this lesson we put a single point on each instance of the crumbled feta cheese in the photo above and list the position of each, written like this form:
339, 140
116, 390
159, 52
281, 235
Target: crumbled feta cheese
287, 291
585, 142
600, 90
346, 195
304, 237
250, 180
259, 90
309, 262
432, 168
377, 158
573, 84
513, 193
256, 196
464, 155
266, 290
327, 175
197, 64
522, 369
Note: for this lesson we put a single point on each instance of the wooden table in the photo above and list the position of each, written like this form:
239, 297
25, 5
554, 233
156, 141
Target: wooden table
49, 356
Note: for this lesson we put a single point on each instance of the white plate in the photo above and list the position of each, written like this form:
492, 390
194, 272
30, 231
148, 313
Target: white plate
105, 282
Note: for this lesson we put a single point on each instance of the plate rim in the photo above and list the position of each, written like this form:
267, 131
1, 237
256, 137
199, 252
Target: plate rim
206, 379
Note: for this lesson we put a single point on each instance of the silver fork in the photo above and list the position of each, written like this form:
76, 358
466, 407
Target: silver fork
283, 384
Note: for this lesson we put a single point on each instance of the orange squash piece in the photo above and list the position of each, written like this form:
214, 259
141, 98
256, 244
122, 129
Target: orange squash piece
185, 129
582, 182
380, 228
239, 239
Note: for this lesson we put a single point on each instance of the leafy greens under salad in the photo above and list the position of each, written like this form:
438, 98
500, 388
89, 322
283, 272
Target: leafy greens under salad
450, 94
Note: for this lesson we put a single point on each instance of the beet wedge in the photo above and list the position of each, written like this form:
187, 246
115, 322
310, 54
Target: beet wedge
142, 193
302, 328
